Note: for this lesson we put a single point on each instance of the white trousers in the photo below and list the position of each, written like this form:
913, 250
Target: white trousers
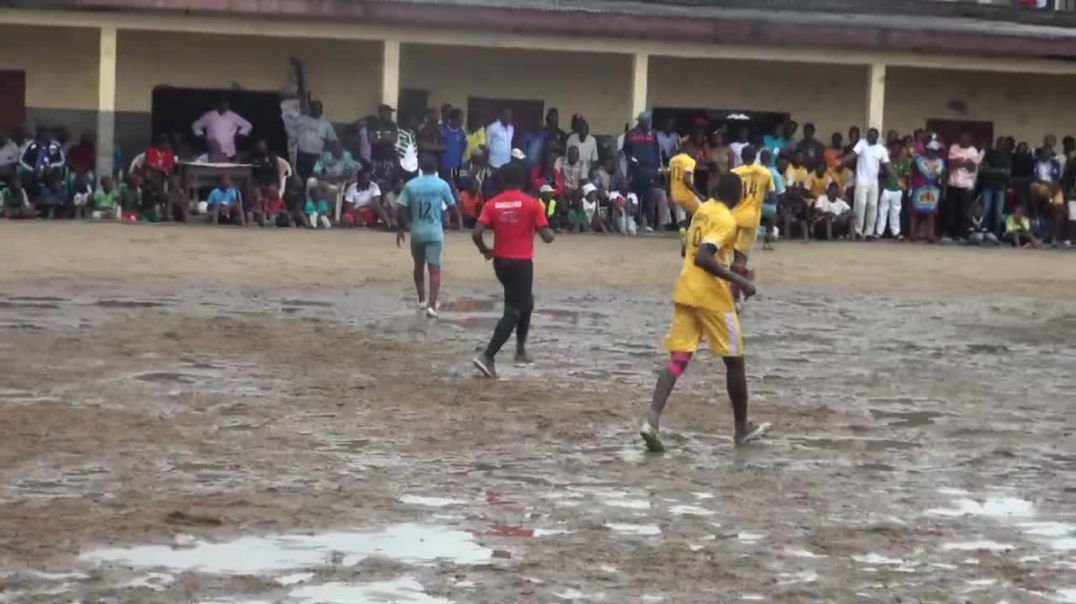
865, 208
889, 208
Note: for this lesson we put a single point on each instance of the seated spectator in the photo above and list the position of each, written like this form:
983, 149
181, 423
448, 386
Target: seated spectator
547, 195
831, 215
572, 171
606, 179
131, 202
546, 174
265, 172
796, 173
477, 168
390, 200
625, 209
470, 201
317, 207
158, 163
844, 177
295, 197
83, 157
978, 231
1018, 230
41, 157
577, 218
16, 201
794, 208
362, 203
52, 197
335, 168
813, 150
9, 156
1045, 189
272, 211
81, 196
596, 217
106, 200
817, 182
224, 200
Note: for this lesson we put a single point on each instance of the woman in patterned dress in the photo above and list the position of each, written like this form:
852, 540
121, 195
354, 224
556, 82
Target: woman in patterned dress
926, 176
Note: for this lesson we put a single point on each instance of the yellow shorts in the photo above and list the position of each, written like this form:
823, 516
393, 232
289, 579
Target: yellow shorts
690, 325
745, 239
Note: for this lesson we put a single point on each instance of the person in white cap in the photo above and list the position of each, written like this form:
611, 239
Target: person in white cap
597, 219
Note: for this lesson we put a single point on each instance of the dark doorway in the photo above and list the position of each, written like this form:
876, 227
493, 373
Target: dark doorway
528, 115
758, 123
413, 103
175, 109
12, 99
949, 131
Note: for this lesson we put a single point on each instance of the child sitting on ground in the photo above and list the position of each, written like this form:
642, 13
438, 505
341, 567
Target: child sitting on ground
1018, 229
52, 199
82, 195
106, 201
545, 195
317, 207
130, 194
16, 201
596, 218
625, 207
978, 233
577, 218
224, 199
273, 211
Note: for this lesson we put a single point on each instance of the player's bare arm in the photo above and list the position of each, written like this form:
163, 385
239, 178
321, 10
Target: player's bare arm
403, 222
480, 241
706, 259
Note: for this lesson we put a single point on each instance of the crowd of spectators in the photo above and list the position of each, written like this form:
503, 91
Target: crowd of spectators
915, 186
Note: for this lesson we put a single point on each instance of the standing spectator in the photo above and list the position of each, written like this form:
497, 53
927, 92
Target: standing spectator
834, 151
265, 173
583, 140
719, 156
869, 156
499, 136
549, 139
1023, 167
644, 161
964, 161
1047, 203
478, 170
383, 134
1068, 151
9, 155
476, 136
572, 171
222, 125
668, 141
927, 172
994, 174
894, 185
775, 143
736, 148
455, 142
407, 149
83, 157
430, 137
366, 149
335, 168
813, 151
312, 132
853, 139
790, 135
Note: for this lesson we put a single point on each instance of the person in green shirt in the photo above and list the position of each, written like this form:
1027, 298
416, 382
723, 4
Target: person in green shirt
577, 218
130, 197
1018, 229
317, 208
106, 200
894, 184
16, 203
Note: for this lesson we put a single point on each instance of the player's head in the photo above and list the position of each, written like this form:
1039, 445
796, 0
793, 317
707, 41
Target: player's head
820, 167
428, 163
765, 157
748, 154
833, 191
729, 189
872, 135
511, 176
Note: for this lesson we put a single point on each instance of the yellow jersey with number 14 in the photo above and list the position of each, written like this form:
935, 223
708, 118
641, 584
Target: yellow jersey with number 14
757, 183
680, 165
714, 224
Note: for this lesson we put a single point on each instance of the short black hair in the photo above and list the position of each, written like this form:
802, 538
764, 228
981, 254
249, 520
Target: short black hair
427, 163
748, 154
729, 189
511, 176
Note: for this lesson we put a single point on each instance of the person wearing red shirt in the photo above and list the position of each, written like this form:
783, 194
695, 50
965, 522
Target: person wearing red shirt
513, 216
160, 156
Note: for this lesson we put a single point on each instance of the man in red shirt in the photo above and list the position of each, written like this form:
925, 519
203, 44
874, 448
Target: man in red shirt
513, 216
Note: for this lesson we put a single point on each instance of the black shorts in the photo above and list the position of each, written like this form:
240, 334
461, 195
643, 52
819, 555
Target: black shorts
517, 277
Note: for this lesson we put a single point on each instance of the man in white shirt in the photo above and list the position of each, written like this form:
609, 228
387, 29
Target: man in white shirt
964, 162
870, 158
9, 154
499, 140
362, 203
587, 145
221, 125
312, 132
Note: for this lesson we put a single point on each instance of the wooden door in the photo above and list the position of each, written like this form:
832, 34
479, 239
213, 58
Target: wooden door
12, 99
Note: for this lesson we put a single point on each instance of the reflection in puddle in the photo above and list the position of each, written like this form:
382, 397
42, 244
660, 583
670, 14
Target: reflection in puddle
405, 590
644, 530
406, 543
907, 419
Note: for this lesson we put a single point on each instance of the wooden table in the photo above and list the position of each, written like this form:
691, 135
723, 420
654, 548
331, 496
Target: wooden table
196, 175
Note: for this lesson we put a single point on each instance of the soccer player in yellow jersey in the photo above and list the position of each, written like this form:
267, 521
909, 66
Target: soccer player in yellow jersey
682, 188
703, 308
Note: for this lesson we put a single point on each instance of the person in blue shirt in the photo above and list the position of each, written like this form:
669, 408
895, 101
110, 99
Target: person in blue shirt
225, 199
455, 140
422, 204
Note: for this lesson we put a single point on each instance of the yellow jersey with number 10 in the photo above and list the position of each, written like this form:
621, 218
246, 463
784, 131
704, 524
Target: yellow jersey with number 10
680, 165
714, 224
757, 183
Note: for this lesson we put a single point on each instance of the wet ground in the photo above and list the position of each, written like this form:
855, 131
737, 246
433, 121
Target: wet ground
170, 442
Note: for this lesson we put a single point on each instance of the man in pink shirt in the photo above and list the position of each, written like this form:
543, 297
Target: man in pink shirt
964, 162
221, 125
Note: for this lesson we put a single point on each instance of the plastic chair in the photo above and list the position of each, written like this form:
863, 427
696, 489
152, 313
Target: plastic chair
283, 168
136, 163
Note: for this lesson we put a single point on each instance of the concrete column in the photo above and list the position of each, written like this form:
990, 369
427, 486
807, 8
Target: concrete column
876, 97
390, 73
640, 80
106, 100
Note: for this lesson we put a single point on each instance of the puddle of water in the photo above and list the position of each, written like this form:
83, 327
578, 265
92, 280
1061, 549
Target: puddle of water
404, 590
690, 510
128, 304
294, 579
644, 530
873, 558
907, 419
750, 537
807, 576
967, 546
994, 507
802, 553
868, 444
406, 543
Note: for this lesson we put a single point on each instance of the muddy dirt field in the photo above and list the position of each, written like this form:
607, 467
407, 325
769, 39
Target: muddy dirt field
220, 416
